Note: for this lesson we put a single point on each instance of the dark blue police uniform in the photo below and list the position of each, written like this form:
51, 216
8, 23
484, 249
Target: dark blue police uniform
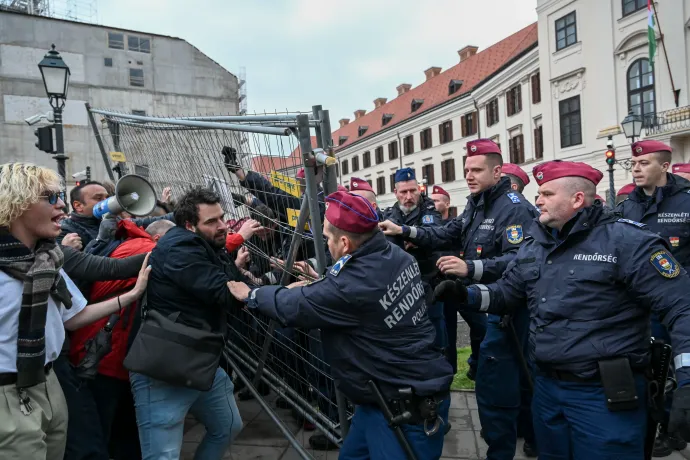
490, 232
371, 302
589, 290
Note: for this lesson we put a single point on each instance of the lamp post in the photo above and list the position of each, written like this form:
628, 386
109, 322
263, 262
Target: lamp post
55, 74
632, 126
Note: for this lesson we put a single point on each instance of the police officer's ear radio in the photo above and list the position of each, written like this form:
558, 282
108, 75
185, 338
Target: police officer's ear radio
133, 194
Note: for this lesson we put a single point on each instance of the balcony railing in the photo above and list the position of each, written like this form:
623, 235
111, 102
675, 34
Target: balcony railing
669, 121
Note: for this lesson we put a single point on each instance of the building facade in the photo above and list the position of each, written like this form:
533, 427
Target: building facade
128, 71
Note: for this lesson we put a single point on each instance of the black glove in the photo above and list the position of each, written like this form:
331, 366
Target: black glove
448, 289
680, 413
230, 157
238, 198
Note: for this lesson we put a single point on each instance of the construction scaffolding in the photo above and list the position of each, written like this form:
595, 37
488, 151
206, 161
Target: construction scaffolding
73, 10
184, 152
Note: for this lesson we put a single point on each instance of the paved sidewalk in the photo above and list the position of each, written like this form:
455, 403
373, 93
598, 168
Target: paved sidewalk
261, 438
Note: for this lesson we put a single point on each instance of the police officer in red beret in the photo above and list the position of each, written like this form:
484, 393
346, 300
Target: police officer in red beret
518, 178
590, 280
623, 193
370, 305
661, 200
362, 188
682, 170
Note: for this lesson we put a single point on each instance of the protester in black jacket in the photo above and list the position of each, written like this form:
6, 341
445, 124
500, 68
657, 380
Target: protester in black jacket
81, 221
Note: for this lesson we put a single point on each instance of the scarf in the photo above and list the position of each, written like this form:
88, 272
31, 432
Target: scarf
39, 270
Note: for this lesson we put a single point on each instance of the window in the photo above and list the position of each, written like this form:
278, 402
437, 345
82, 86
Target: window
452, 212
445, 132
425, 139
428, 174
116, 41
416, 104
140, 44
361, 130
408, 145
141, 113
454, 86
566, 31
538, 143
448, 170
492, 112
108, 62
631, 6
386, 118
378, 153
369, 182
392, 182
380, 185
355, 164
514, 100
536, 89
342, 140
366, 159
337, 170
516, 146
464, 160
571, 131
136, 77
641, 97
468, 123
393, 150
346, 167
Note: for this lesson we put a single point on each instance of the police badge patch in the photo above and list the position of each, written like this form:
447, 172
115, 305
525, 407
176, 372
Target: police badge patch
665, 264
514, 234
428, 219
335, 269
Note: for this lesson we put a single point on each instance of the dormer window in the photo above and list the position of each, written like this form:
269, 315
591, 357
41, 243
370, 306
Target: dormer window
416, 104
361, 130
387, 117
342, 140
454, 86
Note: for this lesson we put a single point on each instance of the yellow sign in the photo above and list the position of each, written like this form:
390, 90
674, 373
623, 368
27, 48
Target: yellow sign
285, 183
118, 157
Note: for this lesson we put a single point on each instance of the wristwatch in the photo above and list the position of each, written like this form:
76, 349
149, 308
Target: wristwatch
251, 298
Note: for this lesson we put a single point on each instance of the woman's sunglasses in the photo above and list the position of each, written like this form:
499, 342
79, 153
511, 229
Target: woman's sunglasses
53, 197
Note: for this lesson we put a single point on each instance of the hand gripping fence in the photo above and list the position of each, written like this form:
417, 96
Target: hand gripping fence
259, 183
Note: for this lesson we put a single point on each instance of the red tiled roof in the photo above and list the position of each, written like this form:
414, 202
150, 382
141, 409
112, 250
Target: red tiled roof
471, 71
264, 164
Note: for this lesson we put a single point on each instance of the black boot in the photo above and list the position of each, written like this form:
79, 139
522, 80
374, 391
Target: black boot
665, 444
529, 450
471, 373
230, 158
447, 428
319, 441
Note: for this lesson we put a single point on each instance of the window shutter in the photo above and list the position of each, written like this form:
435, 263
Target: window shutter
392, 182
444, 175
430, 175
475, 116
489, 120
510, 102
441, 134
521, 140
463, 129
450, 130
518, 98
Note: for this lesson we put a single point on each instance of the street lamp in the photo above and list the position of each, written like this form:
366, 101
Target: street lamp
55, 74
632, 126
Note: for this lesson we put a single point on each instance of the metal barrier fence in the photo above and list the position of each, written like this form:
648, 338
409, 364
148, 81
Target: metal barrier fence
183, 152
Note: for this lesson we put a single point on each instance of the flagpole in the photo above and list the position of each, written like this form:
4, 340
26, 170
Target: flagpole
663, 45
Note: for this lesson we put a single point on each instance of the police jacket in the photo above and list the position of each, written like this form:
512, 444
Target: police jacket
370, 306
489, 232
424, 215
190, 277
666, 213
590, 292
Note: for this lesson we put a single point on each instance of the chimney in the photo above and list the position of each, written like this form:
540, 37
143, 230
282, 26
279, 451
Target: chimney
378, 102
359, 114
431, 72
344, 121
403, 88
467, 52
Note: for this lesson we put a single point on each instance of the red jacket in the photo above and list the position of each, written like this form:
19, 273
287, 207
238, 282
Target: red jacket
138, 242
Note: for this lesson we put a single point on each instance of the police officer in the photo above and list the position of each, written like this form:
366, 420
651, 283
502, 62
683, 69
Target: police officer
682, 170
490, 232
363, 188
590, 280
371, 305
444, 315
623, 193
661, 200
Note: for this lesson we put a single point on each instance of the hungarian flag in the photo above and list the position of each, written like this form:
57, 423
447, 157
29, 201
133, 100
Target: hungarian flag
651, 34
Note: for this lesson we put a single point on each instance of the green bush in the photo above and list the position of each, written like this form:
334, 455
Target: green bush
460, 381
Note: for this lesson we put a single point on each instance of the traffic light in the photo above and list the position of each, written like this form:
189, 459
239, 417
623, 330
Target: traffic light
610, 157
45, 139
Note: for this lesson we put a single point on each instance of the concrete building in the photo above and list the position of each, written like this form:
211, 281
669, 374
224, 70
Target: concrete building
125, 70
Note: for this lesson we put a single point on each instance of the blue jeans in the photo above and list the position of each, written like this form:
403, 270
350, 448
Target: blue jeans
161, 409
370, 437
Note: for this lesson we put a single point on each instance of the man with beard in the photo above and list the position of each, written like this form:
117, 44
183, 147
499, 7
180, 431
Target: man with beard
190, 271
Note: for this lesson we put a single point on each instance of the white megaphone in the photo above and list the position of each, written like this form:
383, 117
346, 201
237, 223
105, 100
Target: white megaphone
133, 194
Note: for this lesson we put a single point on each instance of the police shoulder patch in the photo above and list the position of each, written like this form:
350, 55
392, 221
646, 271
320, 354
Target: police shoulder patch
513, 197
335, 269
665, 264
632, 222
514, 234
427, 219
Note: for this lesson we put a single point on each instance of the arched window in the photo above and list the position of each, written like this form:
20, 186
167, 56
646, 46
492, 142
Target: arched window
641, 97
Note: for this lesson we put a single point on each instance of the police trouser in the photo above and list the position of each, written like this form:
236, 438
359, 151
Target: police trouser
573, 422
477, 324
370, 437
501, 388
659, 332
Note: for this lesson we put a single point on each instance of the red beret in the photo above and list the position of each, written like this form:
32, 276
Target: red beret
300, 174
357, 184
482, 147
600, 198
515, 170
351, 213
341, 188
650, 146
626, 189
439, 191
681, 167
556, 169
